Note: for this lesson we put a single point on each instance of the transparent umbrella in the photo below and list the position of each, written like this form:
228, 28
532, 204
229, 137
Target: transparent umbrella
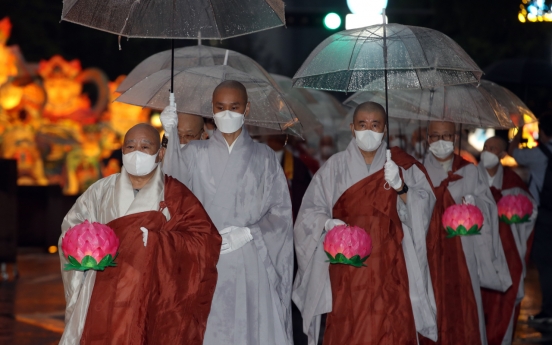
408, 57
519, 112
194, 89
208, 19
464, 104
194, 56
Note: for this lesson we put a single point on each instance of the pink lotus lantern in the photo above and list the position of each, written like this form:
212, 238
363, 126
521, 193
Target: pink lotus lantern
514, 209
349, 245
90, 246
462, 220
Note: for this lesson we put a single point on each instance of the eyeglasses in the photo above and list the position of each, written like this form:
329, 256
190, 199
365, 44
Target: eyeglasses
190, 137
445, 137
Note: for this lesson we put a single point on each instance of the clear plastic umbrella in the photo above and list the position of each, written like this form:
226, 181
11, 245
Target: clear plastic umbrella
408, 57
194, 89
208, 19
194, 56
519, 112
465, 104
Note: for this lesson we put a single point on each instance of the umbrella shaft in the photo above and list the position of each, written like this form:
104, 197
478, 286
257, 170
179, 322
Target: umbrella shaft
172, 65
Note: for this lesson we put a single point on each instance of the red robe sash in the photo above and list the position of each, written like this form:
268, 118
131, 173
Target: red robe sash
498, 306
457, 319
371, 305
161, 293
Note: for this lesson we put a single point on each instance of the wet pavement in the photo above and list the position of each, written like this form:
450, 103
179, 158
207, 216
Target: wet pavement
31, 307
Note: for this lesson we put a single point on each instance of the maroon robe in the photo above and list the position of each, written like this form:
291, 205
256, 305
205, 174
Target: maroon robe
371, 305
457, 319
498, 306
161, 293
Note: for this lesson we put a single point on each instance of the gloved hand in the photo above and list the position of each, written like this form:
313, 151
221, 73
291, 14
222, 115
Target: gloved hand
332, 223
169, 119
391, 174
468, 199
234, 237
144, 235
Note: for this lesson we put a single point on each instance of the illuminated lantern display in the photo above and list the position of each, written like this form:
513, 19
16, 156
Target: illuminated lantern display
462, 220
8, 61
514, 209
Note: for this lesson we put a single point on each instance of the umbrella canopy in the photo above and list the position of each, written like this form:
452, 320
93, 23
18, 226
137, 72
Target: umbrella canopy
465, 104
519, 112
523, 71
414, 58
194, 89
194, 56
208, 19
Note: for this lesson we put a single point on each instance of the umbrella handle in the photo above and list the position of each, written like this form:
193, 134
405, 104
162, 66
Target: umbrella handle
172, 103
386, 185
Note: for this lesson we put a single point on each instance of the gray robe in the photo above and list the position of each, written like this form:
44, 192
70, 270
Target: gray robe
312, 290
107, 199
521, 234
245, 188
484, 253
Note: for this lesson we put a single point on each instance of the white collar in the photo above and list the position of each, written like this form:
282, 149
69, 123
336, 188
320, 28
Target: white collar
232, 146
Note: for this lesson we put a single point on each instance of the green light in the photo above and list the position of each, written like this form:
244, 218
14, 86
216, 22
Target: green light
332, 21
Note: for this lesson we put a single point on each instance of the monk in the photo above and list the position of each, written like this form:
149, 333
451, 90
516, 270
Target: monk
162, 288
389, 300
500, 307
244, 190
460, 266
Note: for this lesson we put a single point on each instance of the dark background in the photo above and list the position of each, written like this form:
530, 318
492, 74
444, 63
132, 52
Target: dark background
487, 30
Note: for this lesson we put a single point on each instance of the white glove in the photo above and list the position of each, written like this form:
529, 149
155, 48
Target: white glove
332, 223
144, 235
391, 173
234, 237
169, 119
468, 200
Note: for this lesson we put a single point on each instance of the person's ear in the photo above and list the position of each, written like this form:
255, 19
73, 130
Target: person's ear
353, 129
161, 155
502, 154
247, 107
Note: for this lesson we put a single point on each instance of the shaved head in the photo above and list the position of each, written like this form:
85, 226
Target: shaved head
496, 145
232, 85
190, 127
441, 125
144, 132
370, 107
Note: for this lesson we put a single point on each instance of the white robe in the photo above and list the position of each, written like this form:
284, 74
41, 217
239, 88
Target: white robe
484, 253
521, 233
312, 290
244, 188
107, 199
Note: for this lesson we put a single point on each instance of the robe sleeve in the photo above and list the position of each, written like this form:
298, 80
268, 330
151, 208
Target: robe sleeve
312, 289
491, 261
177, 161
186, 252
85, 208
522, 232
415, 216
273, 238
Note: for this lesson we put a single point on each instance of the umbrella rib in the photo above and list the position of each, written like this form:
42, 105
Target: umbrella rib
349, 65
214, 16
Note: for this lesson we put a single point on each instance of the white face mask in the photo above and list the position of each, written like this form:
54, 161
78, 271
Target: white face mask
441, 149
489, 159
398, 142
138, 163
368, 140
419, 148
228, 121
182, 145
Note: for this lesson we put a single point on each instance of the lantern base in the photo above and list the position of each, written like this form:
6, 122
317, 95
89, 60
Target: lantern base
355, 261
515, 219
89, 263
462, 231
